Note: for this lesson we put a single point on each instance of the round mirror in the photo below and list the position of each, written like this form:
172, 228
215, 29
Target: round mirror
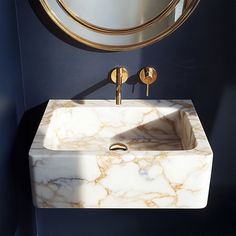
117, 25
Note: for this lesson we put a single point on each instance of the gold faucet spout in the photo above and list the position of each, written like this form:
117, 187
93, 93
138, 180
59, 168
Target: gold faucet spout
118, 86
119, 76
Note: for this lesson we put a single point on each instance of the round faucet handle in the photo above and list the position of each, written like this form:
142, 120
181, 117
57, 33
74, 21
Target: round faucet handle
119, 73
148, 75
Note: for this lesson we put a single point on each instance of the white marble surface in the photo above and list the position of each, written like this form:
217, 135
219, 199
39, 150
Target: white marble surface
167, 165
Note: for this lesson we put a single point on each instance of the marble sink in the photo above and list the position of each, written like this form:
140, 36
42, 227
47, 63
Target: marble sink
167, 163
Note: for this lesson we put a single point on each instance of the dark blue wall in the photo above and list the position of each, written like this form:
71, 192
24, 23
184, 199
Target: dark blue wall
195, 62
10, 104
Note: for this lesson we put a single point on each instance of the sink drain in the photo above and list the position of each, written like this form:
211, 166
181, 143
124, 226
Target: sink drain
118, 147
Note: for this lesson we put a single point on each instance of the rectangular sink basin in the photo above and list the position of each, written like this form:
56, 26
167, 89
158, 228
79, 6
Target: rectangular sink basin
142, 154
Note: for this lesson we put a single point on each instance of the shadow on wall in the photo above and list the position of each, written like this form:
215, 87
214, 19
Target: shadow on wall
133, 80
26, 132
91, 89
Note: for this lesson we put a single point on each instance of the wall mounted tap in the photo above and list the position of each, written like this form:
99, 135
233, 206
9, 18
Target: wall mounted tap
119, 76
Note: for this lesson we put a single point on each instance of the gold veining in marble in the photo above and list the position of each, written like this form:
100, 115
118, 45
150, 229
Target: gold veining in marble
167, 164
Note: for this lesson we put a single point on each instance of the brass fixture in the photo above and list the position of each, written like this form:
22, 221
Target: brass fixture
119, 76
118, 147
148, 75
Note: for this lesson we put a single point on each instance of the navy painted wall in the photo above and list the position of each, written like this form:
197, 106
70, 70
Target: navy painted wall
10, 105
195, 62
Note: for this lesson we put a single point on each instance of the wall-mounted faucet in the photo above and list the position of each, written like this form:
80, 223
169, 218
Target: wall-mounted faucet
119, 76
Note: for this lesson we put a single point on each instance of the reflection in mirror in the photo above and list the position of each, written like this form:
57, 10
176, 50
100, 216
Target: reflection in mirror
119, 25
122, 14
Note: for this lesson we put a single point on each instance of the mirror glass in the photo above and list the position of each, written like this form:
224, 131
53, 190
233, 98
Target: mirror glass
121, 14
118, 24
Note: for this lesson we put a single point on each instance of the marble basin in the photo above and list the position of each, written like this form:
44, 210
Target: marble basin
167, 163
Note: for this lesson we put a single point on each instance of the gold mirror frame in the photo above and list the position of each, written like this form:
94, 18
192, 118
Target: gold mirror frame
189, 7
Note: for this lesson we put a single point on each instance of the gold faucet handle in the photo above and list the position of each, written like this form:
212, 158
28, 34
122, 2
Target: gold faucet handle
119, 73
148, 75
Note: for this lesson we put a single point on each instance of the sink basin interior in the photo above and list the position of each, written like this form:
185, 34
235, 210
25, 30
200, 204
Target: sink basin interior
139, 128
